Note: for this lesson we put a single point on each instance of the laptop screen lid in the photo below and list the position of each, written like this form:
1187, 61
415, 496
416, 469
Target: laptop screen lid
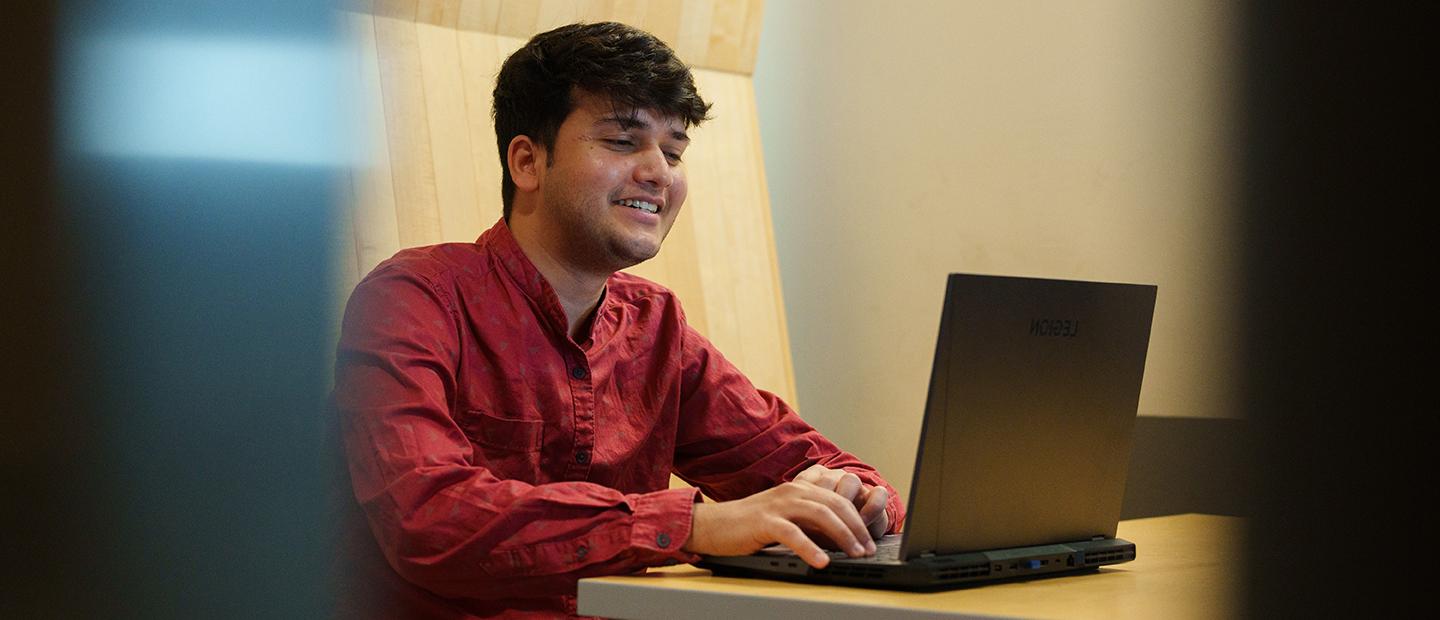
1030, 413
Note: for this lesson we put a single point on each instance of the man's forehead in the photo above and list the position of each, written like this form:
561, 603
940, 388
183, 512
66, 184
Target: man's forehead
647, 121
607, 111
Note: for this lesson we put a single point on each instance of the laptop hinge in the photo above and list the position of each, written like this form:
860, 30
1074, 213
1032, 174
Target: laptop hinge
1099, 537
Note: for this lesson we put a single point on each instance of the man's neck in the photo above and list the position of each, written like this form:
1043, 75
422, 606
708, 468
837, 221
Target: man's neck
579, 290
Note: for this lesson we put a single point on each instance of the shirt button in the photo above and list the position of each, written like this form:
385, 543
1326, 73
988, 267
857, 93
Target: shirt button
581, 552
663, 540
579, 372
582, 457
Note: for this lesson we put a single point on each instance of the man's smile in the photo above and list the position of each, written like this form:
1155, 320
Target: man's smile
648, 207
641, 204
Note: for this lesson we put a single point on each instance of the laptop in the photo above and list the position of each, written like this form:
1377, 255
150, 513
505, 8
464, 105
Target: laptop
1025, 443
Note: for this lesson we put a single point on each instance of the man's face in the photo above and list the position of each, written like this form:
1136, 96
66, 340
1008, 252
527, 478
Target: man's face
613, 183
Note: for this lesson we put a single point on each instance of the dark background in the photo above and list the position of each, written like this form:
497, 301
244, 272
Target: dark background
164, 334
1339, 268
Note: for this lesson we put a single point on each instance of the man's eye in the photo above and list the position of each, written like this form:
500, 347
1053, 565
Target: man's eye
673, 157
619, 142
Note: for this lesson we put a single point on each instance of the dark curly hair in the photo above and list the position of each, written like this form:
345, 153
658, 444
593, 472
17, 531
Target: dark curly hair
630, 67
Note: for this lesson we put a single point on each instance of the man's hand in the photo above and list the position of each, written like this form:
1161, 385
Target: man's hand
869, 500
789, 514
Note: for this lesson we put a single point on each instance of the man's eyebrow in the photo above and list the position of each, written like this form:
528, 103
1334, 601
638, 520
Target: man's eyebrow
625, 122
631, 122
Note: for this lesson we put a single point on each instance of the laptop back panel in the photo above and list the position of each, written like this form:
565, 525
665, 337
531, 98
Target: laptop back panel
1028, 422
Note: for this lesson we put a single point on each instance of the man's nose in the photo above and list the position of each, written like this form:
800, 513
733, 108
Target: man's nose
654, 169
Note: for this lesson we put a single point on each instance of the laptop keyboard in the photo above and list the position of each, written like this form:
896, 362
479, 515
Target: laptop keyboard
887, 550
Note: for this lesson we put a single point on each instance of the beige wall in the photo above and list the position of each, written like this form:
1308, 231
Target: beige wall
907, 140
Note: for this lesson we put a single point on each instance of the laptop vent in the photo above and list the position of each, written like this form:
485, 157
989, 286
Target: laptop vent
962, 572
1102, 557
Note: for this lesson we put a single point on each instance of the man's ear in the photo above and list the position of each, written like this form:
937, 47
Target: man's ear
525, 159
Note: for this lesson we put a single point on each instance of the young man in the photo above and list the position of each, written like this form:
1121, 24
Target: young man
512, 408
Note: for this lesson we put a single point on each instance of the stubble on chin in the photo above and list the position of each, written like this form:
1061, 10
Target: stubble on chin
598, 250
628, 252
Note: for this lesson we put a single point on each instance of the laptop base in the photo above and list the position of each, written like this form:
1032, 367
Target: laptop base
933, 572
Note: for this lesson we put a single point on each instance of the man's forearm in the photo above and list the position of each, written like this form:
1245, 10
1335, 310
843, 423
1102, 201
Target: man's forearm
532, 543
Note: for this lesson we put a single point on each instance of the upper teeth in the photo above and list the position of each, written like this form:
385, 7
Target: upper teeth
641, 204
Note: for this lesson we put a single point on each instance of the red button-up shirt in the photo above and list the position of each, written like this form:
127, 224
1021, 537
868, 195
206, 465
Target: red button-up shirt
497, 460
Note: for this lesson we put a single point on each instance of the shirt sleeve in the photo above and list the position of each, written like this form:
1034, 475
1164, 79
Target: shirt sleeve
735, 440
442, 522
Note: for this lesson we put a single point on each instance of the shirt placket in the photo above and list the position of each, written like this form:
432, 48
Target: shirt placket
582, 386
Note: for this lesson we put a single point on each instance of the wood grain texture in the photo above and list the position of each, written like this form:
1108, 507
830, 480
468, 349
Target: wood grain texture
662, 19
712, 34
407, 130
692, 41
398, 9
376, 228
439, 13
733, 243
427, 72
456, 192
480, 56
479, 15
518, 18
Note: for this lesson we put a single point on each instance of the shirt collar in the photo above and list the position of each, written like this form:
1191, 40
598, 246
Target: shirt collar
500, 241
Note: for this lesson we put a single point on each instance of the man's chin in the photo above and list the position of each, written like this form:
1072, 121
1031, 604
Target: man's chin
632, 252
635, 256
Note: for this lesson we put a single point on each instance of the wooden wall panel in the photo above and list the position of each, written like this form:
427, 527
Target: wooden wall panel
517, 18
734, 243
407, 131
480, 16
398, 9
373, 214
556, 13
427, 69
630, 12
480, 56
734, 35
444, 13
709, 34
663, 20
692, 41
456, 191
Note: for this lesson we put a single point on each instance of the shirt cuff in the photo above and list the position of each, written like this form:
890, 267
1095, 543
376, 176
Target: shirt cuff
662, 525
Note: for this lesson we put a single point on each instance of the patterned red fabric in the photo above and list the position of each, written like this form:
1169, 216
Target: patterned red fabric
497, 460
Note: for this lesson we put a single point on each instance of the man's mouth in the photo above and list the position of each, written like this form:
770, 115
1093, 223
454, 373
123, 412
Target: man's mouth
648, 207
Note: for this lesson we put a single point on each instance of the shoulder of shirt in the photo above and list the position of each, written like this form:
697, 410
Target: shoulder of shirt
437, 263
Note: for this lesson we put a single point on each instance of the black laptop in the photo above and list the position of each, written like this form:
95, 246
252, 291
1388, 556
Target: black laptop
1025, 443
